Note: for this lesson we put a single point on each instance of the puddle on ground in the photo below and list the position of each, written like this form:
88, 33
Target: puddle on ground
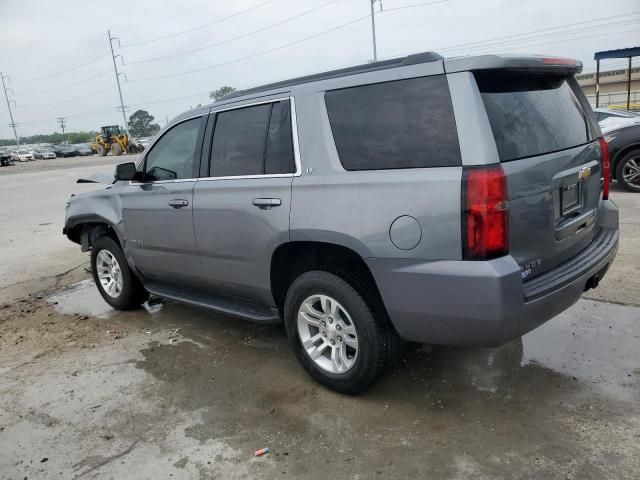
590, 342
83, 298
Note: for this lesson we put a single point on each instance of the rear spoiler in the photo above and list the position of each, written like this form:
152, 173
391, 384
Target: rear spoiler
535, 63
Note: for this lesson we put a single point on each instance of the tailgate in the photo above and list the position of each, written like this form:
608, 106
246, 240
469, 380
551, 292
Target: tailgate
546, 138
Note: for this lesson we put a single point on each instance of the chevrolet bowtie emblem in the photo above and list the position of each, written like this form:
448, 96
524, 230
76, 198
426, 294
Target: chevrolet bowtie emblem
584, 173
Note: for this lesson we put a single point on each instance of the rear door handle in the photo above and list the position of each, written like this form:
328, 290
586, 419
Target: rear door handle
178, 203
267, 203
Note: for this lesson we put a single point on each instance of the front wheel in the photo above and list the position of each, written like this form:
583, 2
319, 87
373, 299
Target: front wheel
628, 171
117, 284
116, 149
102, 151
342, 340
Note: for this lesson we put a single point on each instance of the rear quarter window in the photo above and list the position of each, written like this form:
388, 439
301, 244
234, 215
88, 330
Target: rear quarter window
533, 114
398, 124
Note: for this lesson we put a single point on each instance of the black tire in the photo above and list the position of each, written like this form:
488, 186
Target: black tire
634, 156
102, 151
133, 293
116, 149
377, 340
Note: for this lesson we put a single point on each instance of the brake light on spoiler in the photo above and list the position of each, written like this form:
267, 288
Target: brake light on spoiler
485, 225
559, 61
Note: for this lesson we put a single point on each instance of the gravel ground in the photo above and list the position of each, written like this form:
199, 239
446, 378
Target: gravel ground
64, 163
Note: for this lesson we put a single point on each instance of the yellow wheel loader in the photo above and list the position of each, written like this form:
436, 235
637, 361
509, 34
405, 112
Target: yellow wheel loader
113, 139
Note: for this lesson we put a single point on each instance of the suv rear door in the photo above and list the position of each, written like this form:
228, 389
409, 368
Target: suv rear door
242, 203
546, 140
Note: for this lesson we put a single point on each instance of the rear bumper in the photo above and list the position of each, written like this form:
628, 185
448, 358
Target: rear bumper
486, 302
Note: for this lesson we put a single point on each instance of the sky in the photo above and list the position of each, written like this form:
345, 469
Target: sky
171, 54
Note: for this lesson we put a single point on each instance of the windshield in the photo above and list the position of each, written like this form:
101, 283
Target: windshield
532, 114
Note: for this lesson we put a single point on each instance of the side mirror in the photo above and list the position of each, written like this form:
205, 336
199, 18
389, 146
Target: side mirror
126, 171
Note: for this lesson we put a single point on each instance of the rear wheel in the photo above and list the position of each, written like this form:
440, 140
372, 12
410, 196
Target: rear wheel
102, 151
628, 171
116, 149
344, 342
117, 284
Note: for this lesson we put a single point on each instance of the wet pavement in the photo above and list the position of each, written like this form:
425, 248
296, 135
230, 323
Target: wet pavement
176, 392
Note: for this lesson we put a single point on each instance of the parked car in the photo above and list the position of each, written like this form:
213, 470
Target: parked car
65, 150
624, 147
604, 113
610, 119
5, 159
43, 154
22, 156
460, 201
83, 149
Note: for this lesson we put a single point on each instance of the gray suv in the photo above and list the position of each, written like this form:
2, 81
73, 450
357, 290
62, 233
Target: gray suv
457, 201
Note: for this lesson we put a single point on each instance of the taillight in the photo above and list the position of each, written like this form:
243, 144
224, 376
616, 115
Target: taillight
485, 227
606, 168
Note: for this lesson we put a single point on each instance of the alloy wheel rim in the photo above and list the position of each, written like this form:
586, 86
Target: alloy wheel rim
631, 172
328, 334
109, 273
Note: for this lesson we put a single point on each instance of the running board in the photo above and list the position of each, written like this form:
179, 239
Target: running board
235, 307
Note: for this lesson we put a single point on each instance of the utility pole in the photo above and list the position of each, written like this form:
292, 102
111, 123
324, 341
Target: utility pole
115, 69
13, 123
62, 122
373, 29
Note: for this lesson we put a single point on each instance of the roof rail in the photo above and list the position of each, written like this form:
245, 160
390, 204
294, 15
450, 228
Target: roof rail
414, 59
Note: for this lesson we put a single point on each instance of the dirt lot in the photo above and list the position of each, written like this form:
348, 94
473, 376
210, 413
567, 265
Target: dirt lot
64, 163
175, 392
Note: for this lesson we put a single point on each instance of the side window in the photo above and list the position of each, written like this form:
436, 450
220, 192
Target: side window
253, 141
172, 157
398, 124
279, 156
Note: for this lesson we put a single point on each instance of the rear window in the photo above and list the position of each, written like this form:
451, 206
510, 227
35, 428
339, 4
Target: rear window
399, 124
534, 114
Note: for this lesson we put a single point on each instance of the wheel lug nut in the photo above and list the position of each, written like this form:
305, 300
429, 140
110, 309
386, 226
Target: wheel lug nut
324, 334
324, 324
330, 320
338, 327
333, 342
339, 338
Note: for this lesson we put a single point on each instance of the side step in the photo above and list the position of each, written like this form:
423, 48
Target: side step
235, 307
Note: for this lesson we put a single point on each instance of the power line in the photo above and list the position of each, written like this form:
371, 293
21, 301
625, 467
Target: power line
183, 32
541, 30
264, 52
238, 37
155, 21
415, 5
66, 86
68, 100
528, 38
57, 74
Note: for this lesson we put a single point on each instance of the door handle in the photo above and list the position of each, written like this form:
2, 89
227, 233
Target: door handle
178, 203
267, 203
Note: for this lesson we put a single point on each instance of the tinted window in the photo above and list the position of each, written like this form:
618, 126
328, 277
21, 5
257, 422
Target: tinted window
279, 156
533, 114
239, 141
172, 157
399, 124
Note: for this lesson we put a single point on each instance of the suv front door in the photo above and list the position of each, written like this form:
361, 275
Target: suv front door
158, 212
241, 207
